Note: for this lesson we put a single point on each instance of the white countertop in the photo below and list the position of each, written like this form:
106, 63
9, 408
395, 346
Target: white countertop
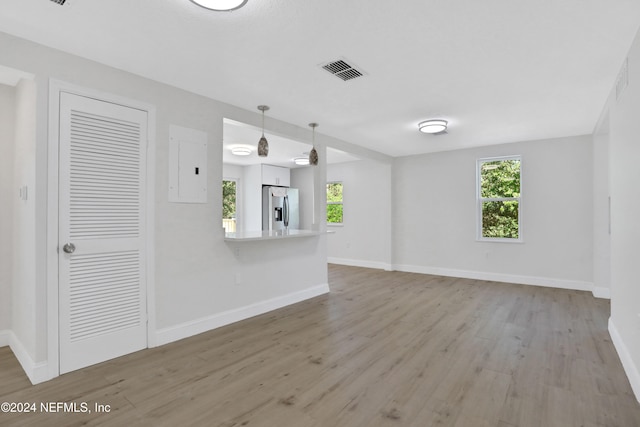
269, 235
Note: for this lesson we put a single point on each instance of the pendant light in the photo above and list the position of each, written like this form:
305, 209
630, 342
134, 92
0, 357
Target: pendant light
263, 144
313, 154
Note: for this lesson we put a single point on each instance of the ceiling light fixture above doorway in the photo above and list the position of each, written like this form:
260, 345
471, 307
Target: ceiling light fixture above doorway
220, 5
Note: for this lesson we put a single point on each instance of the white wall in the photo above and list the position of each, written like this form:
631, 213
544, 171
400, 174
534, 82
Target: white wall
8, 196
252, 191
364, 238
624, 152
25, 315
201, 280
601, 233
302, 179
435, 223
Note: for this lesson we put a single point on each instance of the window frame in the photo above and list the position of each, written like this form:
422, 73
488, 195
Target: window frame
335, 224
238, 199
480, 200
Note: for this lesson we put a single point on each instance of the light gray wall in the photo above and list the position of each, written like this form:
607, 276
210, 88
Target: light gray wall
8, 196
25, 315
624, 152
199, 277
302, 179
435, 222
252, 194
601, 232
364, 238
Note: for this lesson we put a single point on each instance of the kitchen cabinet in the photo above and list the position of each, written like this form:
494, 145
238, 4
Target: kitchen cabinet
254, 177
276, 175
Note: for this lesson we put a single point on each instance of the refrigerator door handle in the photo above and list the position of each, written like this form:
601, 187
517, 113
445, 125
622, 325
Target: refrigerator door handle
286, 211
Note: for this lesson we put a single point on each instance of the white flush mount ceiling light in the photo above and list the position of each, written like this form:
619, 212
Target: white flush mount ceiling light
432, 126
240, 151
220, 5
301, 161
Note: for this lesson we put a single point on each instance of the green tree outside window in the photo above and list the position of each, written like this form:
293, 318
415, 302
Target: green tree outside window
334, 203
499, 198
229, 189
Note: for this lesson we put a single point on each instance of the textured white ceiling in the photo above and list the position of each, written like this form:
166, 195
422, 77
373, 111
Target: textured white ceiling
499, 70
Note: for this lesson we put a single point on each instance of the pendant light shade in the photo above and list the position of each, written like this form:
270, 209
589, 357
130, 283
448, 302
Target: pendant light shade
313, 154
313, 157
263, 147
263, 144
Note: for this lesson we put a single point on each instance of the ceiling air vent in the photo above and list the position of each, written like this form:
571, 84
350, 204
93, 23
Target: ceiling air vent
343, 70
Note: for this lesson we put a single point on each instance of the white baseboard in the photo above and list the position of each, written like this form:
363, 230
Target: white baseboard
188, 329
36, 372
497, 277
4, 338
630, 368
360, 263
601, 292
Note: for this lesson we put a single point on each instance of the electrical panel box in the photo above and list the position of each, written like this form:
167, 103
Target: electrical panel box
187, 165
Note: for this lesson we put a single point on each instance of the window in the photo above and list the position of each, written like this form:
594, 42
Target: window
229, 189
334, 203
499, 199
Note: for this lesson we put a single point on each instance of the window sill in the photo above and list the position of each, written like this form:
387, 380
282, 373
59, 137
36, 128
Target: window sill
498, 240
335, 224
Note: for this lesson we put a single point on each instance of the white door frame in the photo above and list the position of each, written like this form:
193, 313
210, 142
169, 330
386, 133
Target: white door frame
55, 88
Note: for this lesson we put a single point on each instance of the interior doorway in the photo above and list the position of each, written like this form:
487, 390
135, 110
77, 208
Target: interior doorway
102, 230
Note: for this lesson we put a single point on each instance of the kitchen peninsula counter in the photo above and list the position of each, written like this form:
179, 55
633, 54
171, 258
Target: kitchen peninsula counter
244, 236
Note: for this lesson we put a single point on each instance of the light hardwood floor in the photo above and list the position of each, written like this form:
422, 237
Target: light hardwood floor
383, 349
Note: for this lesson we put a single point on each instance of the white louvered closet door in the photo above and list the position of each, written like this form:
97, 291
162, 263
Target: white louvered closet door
102, 285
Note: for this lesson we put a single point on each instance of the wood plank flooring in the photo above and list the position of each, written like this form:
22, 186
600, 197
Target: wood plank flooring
383, 349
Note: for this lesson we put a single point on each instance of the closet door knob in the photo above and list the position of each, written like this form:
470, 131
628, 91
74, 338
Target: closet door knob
69, 248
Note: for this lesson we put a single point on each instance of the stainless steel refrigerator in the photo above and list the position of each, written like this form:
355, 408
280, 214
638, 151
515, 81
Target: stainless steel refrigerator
280, 208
